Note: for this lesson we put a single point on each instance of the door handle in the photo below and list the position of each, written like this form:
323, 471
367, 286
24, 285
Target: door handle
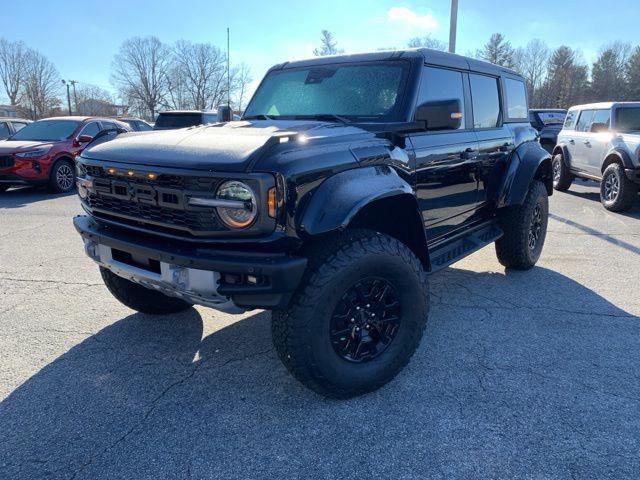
505, 147
572, 141
587, 143
469, 153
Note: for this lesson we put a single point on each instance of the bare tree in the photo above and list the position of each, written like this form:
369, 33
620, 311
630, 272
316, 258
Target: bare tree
242, 79
532, 62
140, 72
41, 88
93, 100
202, 69
427, 42
328, 45
13, 56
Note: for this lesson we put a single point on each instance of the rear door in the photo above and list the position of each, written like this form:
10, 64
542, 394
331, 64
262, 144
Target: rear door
579, 142
596, 143
495, 139
446, 160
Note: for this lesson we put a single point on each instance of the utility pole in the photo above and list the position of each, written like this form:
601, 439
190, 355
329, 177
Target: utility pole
453, 26
228, 72
68, 96
75, 96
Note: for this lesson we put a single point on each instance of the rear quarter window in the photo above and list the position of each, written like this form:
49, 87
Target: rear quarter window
570, 120
516, 99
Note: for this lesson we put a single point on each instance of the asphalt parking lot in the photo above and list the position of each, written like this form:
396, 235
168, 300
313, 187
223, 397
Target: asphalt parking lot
520, 374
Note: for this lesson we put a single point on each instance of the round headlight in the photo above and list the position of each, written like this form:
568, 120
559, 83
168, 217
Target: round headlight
243, 213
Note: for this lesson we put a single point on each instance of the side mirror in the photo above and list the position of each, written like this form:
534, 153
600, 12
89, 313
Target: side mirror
598, 127
225, 113
440, 115
84, 139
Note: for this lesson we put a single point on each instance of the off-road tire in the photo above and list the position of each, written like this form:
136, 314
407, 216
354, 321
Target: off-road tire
562, 177
513, 248
140, 298
301, 334
56, 183
627, 191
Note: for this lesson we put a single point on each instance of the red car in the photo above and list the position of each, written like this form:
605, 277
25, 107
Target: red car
43, 152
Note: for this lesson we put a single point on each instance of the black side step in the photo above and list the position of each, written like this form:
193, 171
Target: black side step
448, 251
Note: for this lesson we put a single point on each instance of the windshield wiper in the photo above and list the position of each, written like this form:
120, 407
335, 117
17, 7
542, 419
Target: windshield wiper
260, 116
323, 116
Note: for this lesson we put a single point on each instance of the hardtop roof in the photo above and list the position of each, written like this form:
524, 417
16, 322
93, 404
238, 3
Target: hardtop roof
432, 57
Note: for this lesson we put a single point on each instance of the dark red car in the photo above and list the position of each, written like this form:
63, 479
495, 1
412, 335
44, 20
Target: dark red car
43, 152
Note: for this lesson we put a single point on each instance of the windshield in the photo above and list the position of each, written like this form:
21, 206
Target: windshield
177, 120
552, 118
47, 130
369, 91
628, 119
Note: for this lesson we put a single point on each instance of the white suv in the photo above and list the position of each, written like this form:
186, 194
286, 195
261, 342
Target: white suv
601, 141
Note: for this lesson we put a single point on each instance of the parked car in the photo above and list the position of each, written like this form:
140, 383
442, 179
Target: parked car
174, 119
136, 124
43, 152
601, 142
10, 125
351, 179
548, 122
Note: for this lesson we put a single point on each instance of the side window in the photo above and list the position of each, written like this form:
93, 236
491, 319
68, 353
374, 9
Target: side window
570, 120
143, 127
516, 99
602, 116
108, 125
584, 120
440, 84
485, 100
4, 130
17, 126
91, 129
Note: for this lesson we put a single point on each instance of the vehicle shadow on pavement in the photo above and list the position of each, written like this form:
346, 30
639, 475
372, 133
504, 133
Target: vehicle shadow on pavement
21, 196
594, 196
518, 373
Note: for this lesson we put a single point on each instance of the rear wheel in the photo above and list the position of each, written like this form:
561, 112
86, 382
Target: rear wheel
562, 177
140, 298
63, 177
357, 318
617, 192
525, 229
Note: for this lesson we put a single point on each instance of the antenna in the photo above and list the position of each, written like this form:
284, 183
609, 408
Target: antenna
228, 72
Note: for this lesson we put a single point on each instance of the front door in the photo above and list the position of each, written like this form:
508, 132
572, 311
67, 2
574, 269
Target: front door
580, 143
446, 161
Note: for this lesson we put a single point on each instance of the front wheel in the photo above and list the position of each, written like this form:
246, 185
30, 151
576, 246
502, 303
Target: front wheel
140, 298
562, 177
63, 177
617, 192
525, 229
357, 318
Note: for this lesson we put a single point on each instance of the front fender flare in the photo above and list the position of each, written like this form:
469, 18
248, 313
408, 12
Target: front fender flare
622, 155
340, 197
525, 162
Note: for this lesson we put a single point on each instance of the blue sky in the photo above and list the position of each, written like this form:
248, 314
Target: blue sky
81, 37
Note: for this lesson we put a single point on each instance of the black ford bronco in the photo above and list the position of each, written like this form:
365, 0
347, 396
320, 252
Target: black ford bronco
348, 180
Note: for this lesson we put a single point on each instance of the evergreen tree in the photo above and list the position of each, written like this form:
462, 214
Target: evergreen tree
328, 45
633, 76
567, 81
497, 50
607, 77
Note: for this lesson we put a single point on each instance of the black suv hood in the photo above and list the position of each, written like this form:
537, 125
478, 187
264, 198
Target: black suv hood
220, 147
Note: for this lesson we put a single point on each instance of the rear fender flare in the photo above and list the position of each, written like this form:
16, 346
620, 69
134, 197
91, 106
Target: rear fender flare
528, 161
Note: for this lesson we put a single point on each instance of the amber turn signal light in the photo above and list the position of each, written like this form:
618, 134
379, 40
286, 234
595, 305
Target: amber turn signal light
271, 202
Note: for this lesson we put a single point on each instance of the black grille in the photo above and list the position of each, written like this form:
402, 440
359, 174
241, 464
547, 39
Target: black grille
6, 161
191, 221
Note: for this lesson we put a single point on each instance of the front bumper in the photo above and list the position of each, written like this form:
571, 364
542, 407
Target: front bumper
221, 279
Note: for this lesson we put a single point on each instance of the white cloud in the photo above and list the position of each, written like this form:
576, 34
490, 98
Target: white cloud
412, 19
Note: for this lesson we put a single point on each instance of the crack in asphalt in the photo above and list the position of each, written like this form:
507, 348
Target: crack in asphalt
153, 404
